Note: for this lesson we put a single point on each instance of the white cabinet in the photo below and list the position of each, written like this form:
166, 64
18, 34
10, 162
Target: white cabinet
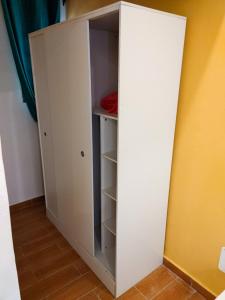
107, 176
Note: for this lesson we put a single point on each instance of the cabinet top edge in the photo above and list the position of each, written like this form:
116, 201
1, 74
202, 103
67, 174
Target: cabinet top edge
161, 12
101, 11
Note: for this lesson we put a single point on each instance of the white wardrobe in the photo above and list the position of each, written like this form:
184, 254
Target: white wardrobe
107, 176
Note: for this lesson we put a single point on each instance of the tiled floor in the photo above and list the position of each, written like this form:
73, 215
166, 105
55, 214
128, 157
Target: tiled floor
50, 269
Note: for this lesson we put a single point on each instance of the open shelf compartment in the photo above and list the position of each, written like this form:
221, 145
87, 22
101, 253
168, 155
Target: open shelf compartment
104, 47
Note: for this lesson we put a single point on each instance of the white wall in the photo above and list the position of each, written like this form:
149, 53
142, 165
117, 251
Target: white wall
9, 288
19, 134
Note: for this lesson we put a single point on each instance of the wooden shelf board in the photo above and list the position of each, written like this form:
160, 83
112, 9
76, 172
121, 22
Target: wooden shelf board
110, 224
110, 192
103, 113
111, 156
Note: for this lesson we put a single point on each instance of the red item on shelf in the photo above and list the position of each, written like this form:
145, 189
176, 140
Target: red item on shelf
110, 103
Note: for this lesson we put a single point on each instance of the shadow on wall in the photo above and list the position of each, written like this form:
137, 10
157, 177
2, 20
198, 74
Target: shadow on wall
20, 143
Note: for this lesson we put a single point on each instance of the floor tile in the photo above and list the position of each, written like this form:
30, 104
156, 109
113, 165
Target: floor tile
28, 216
18, 252
29, 236
132, 294
155, 282
34, 226
63, 244
50, 285
90, 296
23, 226
42, 258
49, 268
196, 296
27, 279
27, 211
81, 266
56, 264
175, 291
77, 288
15, 209
23, 265
103, 293
41, 244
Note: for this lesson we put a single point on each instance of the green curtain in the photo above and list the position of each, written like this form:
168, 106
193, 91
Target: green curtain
21, 18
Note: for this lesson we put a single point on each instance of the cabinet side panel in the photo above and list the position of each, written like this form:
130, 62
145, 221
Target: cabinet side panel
150, 58
38, 54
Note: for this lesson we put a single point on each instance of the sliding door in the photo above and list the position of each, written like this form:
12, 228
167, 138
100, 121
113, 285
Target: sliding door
68, 71
38, 55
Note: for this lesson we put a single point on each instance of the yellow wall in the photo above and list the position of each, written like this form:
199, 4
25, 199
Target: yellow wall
196, 218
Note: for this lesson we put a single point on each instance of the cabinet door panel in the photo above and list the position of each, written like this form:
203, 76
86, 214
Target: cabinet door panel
42, 103
68, 67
